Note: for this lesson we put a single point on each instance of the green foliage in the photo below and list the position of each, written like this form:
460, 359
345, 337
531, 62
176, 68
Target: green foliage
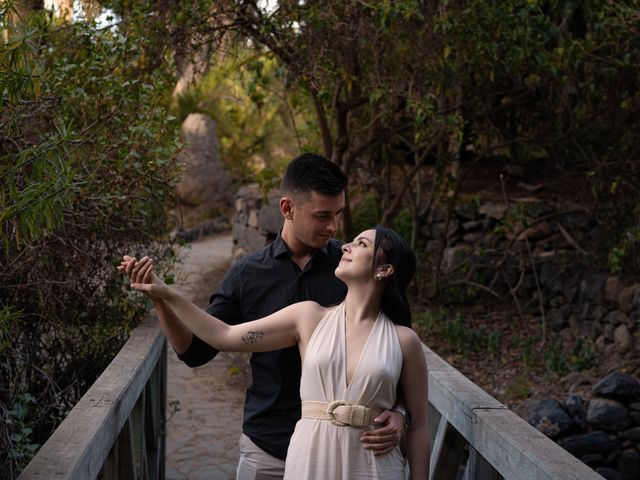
262, 123
396, 83
21, 429
563, 360
461, 337
87, 171
555, 360
367, 213
519, 387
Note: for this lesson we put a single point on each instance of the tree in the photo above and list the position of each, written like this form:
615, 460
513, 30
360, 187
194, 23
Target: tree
86, 172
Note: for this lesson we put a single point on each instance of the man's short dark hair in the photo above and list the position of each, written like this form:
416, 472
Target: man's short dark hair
309, 172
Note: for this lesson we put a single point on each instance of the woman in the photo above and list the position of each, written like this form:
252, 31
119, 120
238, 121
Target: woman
354, 356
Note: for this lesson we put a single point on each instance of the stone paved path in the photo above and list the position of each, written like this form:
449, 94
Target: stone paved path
202, 436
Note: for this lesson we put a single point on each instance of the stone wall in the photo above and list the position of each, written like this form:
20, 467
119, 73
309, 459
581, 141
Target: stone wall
533, 254
603, 431
530, 252
257, 219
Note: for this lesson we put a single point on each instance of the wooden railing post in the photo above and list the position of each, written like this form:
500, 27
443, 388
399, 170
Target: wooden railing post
116, 430
493, 441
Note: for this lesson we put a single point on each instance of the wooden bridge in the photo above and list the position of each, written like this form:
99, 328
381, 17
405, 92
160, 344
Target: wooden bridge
116, 431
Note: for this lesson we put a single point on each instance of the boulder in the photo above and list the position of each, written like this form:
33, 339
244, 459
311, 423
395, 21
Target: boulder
575, 408
589, 443
547, 415
609, 473
598, 313
539, 230
592, 285
204, 187
622, 339
607, 414
618, 386
550, 276
613, 288
472, 226
607, 331
493, 210
573, 221
617, 317
631, 434
270, 219
629, 464
467, 211
627, 297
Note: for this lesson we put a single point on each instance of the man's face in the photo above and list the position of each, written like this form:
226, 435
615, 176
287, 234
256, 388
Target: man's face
316, 218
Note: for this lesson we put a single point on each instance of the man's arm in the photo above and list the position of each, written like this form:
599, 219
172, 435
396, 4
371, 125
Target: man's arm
189, 347
384, 439
224, 305
177, 333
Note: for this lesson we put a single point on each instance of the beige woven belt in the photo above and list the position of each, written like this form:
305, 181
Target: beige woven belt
340, 413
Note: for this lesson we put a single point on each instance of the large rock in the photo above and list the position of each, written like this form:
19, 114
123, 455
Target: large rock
629, 464
613, 288
632, 434
609, 473
204, 189
617, 317
573, 221
622, 339
493, 210
270, 219
627, 297
607, 414
588, 443
575, 408
618, 386
592, 285
547, 415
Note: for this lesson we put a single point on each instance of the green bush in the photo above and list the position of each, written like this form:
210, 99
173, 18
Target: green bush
87, 171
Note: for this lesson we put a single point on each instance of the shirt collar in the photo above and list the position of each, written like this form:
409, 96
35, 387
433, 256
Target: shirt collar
280, 247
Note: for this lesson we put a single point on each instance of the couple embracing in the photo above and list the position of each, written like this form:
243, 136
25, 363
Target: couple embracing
338, 375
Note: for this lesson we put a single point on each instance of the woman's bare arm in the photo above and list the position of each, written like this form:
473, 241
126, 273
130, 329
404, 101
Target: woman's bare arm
414, 386
276, 331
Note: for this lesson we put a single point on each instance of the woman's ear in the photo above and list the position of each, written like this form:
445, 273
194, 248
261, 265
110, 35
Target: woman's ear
384, 271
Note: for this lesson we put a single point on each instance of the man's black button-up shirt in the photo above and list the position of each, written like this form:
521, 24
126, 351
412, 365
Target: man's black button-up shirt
256, 286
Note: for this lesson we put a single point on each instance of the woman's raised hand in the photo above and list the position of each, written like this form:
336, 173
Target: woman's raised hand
143, 278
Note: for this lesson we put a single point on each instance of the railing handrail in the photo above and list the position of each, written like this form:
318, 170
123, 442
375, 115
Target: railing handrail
513, 447
80, 445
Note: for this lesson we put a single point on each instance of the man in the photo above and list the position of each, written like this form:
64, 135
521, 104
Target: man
298, 265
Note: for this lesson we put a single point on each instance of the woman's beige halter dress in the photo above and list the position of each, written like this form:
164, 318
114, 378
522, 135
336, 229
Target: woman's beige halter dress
320, 449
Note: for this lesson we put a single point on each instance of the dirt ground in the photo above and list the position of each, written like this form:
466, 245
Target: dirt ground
205, 404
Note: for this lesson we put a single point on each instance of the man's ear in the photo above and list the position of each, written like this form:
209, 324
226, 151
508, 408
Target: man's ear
286, 207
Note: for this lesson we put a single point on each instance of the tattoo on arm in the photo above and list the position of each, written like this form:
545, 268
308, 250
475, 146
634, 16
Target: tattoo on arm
252, 336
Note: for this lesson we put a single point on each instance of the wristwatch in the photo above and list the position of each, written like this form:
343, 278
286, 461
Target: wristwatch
406, 416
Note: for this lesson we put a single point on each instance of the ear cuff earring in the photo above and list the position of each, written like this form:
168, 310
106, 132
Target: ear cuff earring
379, 276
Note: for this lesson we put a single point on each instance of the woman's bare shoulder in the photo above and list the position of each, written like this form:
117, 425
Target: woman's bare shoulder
311, 310
409, 340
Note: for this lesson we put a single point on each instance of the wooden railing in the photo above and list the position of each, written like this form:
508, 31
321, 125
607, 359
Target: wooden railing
116, 429
472, 432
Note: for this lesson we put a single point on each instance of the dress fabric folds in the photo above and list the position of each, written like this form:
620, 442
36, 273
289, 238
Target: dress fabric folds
321, 450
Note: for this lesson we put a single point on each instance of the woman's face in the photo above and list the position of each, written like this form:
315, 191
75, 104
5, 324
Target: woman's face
357, 258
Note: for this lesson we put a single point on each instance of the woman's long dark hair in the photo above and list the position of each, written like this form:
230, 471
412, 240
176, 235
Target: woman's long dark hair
391, 248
